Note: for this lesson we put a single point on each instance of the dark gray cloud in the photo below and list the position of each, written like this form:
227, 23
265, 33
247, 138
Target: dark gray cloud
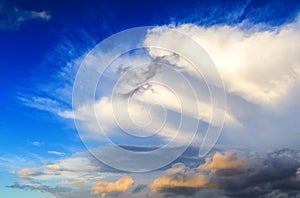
234, 175
139, 188
138, 79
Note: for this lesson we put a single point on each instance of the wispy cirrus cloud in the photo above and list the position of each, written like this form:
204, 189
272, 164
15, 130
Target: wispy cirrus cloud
13, 17
36, 143
56, 153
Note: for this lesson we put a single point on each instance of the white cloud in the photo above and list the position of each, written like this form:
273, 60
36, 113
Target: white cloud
260, 69
144, 98
56, 153
36, 143
72, 168
28, 172
139, 115
260, 66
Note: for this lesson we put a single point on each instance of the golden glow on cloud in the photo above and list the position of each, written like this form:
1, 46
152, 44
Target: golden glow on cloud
121, 185
196, 180
226, 161
74, 183
27, 172
183, 177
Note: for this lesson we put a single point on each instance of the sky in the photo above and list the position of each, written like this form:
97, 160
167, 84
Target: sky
149, 99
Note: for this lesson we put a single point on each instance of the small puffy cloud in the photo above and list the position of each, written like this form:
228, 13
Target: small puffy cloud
56, 153
36, 143
12, 17
121, 185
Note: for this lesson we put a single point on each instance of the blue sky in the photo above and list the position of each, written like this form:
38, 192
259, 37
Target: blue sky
252, 44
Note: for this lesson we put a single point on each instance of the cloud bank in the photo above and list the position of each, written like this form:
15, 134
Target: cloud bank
234, 175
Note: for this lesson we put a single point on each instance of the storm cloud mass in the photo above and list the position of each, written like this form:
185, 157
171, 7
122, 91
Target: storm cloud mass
234, 174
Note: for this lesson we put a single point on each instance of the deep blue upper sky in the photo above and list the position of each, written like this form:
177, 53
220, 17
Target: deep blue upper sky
31, 54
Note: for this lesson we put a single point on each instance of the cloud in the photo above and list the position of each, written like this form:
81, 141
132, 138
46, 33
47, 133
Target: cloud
72, 168
12, 17
56, 191
244, 57
40, 187
146, 102
260, 68
26, 172
230, 160
74, 183
36, 143
258, 65
180, 177
56, 153
233, 175
121, 185
74, 174
139, 188
223, 174
53, 166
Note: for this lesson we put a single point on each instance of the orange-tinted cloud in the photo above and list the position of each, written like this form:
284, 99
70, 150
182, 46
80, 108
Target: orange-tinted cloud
74, 183
227, 161
181, 176
53, 166
121, 185
28, 172
232, 174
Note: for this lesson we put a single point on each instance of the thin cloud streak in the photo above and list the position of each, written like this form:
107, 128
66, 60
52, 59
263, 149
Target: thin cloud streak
12, 17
